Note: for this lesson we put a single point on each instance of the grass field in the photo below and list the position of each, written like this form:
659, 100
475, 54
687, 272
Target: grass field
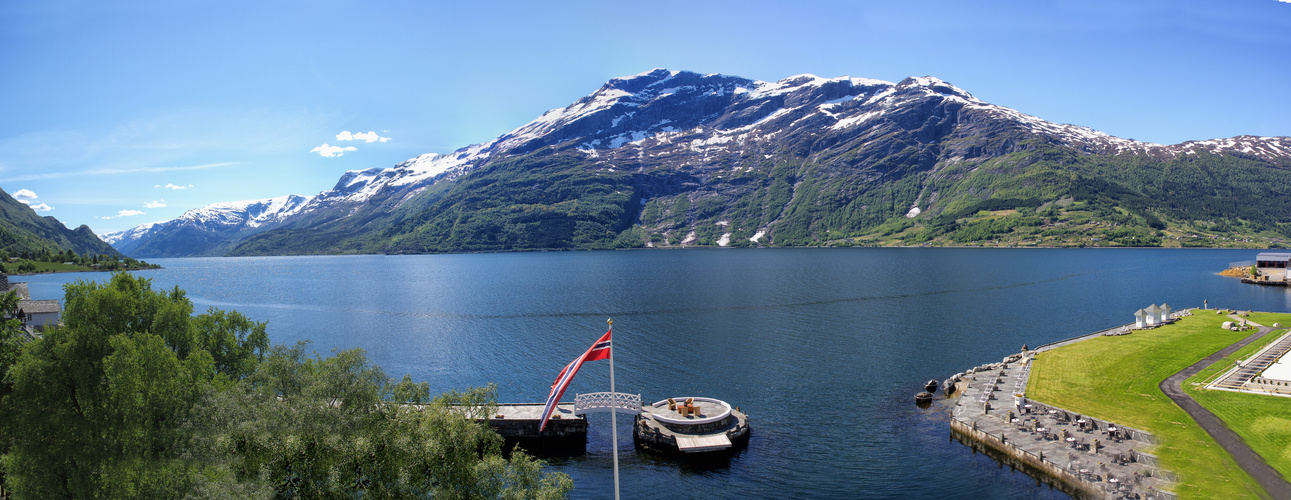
1264, 422
42, 267
1115, 378
1223, 365
56, 267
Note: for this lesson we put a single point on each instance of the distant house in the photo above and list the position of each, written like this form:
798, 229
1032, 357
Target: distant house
1273, 265
39, 313
1140, 319
34, 314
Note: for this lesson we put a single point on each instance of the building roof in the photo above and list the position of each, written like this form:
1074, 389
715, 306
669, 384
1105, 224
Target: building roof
1153, 309
1273, 256
39, 306
20, 289
1140, 313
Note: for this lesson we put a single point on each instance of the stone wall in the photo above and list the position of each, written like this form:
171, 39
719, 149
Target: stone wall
1037, 465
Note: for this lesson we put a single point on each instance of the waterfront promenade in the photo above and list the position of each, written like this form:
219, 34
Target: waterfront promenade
1084, 456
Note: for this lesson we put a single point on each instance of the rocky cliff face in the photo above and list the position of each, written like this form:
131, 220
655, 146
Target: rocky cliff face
670, 158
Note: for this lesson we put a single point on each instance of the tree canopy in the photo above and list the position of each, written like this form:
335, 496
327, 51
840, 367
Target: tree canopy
135, 396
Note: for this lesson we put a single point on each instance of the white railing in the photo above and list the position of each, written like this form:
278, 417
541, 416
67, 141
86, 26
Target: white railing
607, 401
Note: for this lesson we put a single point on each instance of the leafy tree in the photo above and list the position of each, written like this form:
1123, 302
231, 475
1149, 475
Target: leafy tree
138, 398
336, 428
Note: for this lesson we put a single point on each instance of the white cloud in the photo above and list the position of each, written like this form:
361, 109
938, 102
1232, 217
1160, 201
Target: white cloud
327, 151
172, 186
27, 197
369, 136
123, 213
155, 204
112, 171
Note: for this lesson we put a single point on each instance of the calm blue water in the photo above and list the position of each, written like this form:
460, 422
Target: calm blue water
824, 348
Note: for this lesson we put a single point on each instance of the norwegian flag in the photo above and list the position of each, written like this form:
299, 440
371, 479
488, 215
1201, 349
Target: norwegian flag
599, 350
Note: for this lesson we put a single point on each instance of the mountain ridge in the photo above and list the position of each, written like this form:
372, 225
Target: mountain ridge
673, 128
22, 230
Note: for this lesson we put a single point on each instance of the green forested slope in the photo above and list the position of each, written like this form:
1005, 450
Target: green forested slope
1043, 194
22, 231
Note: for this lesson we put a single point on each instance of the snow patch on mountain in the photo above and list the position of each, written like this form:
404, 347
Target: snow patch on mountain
131, 234
248, 213
1266, 147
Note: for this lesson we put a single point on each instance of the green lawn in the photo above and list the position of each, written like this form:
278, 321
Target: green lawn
1223, 365
42, 267
1264, 422
1115, 378
58, 267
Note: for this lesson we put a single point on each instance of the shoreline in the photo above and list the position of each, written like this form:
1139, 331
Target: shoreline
1019, 431
1080, 455
65, 271
674, 248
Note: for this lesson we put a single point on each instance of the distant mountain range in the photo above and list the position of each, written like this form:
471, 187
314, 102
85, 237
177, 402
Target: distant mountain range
669, 159
22, 230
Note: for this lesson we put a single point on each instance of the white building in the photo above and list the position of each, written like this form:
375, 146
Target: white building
1154, 315
39, 313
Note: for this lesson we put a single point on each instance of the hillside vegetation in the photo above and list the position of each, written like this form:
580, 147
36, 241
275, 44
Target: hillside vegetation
137, 397
673, 159
23, 231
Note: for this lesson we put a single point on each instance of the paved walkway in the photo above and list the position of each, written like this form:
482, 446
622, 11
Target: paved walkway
1247, 459
1101, 457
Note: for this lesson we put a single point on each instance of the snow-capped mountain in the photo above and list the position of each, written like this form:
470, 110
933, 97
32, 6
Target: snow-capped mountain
659, 134
198, 227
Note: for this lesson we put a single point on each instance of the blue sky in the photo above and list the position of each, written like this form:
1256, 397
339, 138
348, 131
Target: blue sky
121, 113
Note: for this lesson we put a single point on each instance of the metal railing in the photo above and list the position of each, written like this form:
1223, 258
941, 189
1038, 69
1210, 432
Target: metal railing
607, 401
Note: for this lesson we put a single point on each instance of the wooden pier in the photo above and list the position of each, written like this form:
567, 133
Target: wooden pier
1265, 282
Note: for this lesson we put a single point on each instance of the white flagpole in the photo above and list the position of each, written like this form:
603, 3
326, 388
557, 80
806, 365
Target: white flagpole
614, 421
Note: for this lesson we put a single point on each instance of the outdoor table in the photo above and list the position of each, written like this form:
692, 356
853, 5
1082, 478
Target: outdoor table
1113, 480
1072, 440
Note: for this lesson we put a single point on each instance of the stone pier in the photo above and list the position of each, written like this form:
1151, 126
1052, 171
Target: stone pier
1083, 456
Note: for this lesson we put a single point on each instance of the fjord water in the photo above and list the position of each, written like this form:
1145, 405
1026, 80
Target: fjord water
823, 348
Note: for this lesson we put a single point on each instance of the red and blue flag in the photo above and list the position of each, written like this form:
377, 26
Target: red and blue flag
599, 350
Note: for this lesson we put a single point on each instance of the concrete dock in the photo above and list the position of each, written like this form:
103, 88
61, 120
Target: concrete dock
518, 424
715, 427
1083, 456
